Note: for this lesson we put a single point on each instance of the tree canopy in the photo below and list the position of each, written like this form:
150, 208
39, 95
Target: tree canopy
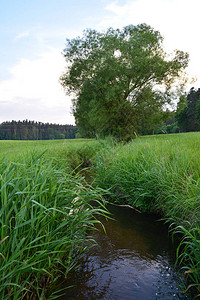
121, 80
188, 117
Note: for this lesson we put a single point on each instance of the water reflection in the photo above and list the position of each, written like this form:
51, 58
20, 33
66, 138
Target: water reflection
135, 260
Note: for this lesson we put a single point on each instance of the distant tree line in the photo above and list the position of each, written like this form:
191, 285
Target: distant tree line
187, 115
31, 130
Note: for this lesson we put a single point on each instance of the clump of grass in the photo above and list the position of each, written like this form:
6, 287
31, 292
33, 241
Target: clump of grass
82, 157
45, 214
81, 154
188, 253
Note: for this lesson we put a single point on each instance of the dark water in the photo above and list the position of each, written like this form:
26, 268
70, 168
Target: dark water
135, 260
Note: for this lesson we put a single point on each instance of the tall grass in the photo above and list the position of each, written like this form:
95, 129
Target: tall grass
45, 214
159, 174
188, 254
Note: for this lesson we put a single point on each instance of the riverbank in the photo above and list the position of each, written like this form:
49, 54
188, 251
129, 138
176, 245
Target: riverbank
160, 174
45, 214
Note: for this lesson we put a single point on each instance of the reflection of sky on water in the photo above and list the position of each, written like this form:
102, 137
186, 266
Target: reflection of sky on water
134, 261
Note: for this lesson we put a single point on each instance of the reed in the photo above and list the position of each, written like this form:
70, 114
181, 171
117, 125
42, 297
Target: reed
45, 215
188, 253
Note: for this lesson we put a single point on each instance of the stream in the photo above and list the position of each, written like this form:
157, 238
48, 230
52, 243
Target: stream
134, 260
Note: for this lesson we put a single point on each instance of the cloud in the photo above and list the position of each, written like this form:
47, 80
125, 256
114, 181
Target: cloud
177, 21
167, 16
27, 108
34, 92
22, 35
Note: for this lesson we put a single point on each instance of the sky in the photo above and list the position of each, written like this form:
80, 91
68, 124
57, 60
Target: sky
33, 35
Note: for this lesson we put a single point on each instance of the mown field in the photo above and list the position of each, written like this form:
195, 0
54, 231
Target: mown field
15, 148
154, 173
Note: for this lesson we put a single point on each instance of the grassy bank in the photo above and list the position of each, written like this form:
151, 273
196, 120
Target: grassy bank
160, 174
45, 214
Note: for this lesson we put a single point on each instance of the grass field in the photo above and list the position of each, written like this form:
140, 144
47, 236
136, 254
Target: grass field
13, 148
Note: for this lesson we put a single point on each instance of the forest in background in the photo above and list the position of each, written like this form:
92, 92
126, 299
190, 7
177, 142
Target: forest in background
31, 130
186, 118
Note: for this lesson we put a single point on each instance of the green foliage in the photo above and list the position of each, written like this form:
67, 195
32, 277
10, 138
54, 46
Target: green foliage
113, 76
171, 128
188, 112
198, 112
182, 104
45, 214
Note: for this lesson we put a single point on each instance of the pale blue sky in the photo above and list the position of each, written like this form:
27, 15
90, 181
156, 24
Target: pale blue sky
32, 37
29, 27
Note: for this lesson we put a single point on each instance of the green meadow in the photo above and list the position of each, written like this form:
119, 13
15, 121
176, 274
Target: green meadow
46, 209
13, 148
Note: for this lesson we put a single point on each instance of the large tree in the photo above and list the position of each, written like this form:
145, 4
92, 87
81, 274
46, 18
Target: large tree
120, 79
